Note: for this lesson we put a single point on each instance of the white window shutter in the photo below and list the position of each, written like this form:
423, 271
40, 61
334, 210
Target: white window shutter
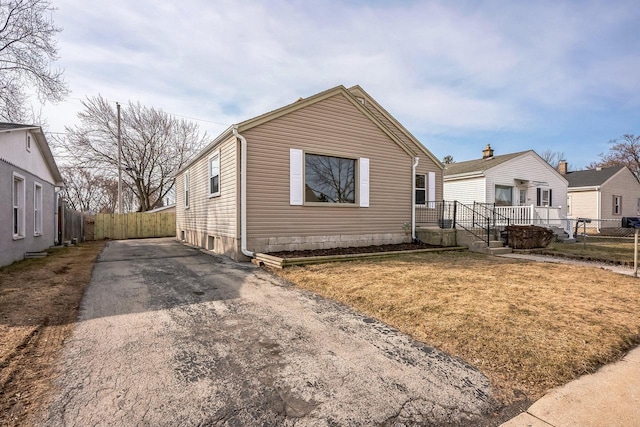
364, 182
432, 189
296, 185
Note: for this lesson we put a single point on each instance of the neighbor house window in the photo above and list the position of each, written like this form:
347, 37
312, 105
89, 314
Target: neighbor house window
18, 197
543, 197
421, 189
504, 195
329, 179
617, 205
37, 209
186, 189
214, 175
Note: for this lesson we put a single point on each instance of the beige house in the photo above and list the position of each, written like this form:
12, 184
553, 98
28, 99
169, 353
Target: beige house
606, 194
332, 170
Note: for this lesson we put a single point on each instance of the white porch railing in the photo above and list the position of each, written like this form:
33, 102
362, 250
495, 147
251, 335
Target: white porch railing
546, 216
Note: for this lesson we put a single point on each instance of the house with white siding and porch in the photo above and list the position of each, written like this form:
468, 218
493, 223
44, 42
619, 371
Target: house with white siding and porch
523, 186
331, 170
29, 183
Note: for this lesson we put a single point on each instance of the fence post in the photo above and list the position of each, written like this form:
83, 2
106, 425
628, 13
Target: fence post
488, 231
455, 205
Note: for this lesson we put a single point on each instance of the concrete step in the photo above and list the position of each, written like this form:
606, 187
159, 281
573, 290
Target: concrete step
496, 244
500, 251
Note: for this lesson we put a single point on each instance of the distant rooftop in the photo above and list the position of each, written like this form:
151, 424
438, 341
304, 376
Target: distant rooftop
9, 126
591, 177
479, 165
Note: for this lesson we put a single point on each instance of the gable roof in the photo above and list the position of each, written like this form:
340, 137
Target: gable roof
591, 177
480, 165
390, 122
41, 140
304, 102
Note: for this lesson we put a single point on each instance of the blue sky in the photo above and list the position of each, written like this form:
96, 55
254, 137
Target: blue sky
544, 75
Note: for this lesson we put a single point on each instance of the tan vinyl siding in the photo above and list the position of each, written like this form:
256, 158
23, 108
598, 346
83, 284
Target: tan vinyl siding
426, 164
209, 216
584, 204
332, 127
622, 184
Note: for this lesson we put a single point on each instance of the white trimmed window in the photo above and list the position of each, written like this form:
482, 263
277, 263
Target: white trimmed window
504, 195
214, 174
421, 189
617, 205
37, 209
327, 180
186, 189
18, 197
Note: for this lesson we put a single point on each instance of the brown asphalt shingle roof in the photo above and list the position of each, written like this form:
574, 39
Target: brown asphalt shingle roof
479, 165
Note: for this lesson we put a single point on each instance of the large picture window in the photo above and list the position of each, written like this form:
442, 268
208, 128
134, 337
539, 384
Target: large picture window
214, 175
329, 179
504, 195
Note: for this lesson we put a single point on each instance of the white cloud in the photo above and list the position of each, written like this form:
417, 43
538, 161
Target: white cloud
438, 66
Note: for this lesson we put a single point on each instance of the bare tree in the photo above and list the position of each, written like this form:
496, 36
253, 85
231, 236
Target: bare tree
27, 49
154, 146
87, 191
552, 157
330, 179
624, 151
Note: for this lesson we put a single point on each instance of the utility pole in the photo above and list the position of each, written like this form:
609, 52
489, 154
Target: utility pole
120, 210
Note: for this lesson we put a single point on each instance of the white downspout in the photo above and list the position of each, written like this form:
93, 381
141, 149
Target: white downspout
599, 211
416, 160
243, 193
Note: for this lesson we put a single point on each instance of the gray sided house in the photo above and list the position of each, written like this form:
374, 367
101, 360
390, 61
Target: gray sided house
29, 177
331, 170
603, 193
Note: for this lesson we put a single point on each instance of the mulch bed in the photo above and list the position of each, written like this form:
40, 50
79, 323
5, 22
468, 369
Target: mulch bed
353, 250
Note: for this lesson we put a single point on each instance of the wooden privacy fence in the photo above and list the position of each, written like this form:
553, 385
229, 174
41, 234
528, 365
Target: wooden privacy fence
136, 225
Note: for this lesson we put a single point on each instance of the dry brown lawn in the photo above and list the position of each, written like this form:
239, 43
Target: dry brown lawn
617, 250
528, 326
39, 300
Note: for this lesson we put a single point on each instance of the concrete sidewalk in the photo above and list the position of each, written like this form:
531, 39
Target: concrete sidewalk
609, 397
557, 260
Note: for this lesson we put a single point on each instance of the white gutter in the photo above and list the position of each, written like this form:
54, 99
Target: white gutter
243, 193
416, 160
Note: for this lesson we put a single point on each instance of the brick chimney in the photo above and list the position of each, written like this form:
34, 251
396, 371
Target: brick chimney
487, 152
562, 167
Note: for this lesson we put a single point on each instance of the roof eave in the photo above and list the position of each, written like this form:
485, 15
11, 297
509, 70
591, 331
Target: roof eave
220, 138
466, 175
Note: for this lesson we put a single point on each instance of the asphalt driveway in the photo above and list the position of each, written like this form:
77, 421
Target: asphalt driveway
171, 336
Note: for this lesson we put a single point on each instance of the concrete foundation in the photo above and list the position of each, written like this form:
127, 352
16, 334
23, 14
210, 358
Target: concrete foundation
438, 236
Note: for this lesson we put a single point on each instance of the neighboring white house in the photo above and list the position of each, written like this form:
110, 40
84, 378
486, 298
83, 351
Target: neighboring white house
605, 194
29, 180
520, 179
